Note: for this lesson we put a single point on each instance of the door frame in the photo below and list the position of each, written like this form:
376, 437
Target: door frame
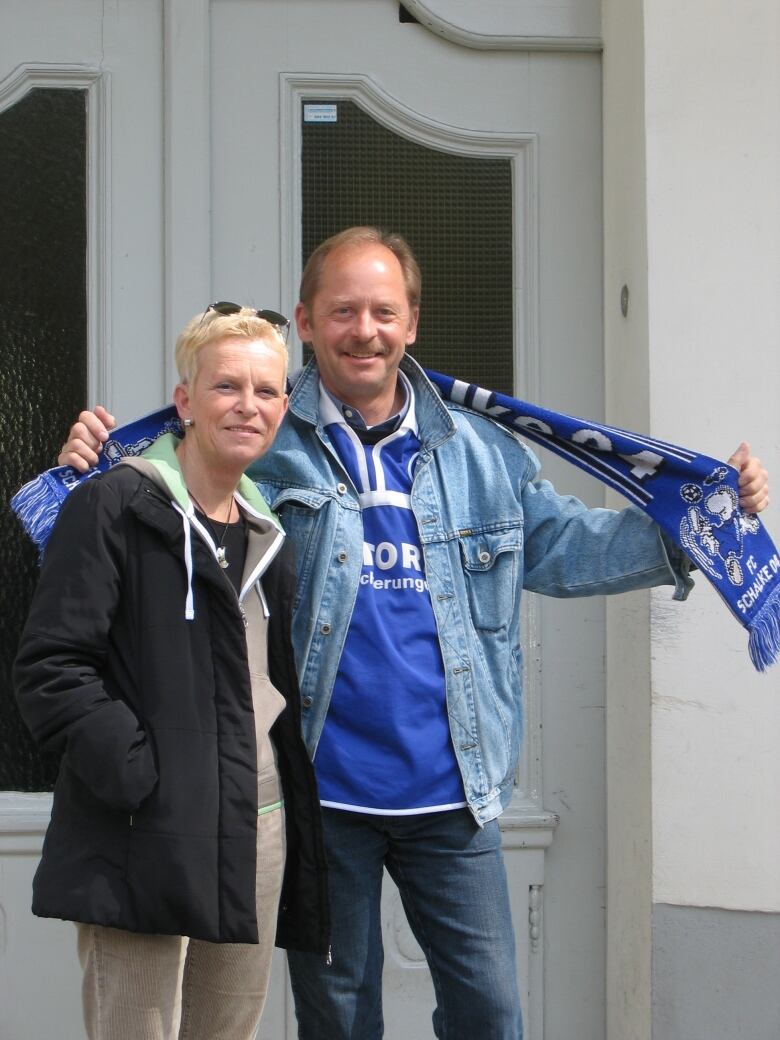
96, 83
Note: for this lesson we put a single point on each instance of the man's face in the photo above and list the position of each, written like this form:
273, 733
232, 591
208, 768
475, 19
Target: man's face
359, 323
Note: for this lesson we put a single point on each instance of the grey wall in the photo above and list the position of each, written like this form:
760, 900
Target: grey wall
716, 974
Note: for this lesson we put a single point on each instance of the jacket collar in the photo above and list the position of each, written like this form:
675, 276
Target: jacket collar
160, 465
162, 456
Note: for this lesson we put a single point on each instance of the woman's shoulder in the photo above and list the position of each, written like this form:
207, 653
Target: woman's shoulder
110, 490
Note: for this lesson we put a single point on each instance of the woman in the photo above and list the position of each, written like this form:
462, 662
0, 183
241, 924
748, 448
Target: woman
157, 658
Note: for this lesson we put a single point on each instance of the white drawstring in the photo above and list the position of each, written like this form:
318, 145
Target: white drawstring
263, 600
189, 606
189, 518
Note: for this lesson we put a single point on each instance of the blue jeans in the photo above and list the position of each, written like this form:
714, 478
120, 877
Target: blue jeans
452, 881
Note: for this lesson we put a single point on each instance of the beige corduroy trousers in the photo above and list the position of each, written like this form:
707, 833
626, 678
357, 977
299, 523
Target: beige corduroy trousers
167, 987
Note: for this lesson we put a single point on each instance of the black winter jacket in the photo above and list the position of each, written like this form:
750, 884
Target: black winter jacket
154, 819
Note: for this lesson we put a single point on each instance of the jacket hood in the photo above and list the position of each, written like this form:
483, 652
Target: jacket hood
164, 470
160, 465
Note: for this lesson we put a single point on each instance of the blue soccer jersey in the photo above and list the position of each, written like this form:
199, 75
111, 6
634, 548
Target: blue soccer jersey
385, 747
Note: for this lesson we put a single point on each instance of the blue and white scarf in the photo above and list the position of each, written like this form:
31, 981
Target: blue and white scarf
692, 498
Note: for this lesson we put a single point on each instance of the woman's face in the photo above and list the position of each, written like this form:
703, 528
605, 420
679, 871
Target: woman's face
236, 402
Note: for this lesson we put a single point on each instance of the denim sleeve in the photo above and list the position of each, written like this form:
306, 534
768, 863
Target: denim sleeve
571, 550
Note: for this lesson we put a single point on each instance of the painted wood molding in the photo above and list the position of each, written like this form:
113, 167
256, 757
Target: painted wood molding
24, 818
529, 25
187, 165
96, 83
525, 827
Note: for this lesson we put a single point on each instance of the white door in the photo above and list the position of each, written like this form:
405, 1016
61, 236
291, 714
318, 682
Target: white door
202, 196
541, 113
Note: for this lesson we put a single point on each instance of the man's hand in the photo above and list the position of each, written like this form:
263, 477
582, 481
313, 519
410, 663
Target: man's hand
86, 438
753, 480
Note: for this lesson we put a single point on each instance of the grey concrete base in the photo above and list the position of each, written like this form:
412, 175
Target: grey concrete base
716, 974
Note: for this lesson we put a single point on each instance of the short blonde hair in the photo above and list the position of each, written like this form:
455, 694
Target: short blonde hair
212, 327
361, 236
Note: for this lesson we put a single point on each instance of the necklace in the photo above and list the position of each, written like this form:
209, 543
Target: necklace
222, 559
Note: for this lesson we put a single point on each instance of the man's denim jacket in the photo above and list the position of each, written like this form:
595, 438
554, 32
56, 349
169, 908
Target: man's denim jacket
488, 530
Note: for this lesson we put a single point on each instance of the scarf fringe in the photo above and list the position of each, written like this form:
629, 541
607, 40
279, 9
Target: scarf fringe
37, 505
764, 628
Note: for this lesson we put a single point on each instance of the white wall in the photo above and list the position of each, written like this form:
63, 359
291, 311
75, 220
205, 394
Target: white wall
692, 226
712, 102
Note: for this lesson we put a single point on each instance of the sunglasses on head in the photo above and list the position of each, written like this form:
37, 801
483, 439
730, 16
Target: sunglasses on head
225, 307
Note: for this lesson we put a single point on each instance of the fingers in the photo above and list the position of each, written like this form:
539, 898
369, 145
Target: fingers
103, 416
86, 439
755, 501
740, 456
753, 479
77, 454
753, 486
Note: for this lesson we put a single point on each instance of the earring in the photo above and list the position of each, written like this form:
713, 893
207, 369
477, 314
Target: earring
188, 422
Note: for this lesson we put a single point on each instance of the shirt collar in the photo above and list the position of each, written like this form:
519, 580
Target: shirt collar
352, 417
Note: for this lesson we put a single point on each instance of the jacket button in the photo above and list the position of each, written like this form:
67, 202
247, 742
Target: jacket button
484, 556
307, 702
341, 488
325, 629
342, 557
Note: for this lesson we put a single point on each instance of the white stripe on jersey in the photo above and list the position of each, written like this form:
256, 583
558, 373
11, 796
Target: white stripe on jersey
393, 812
385, 498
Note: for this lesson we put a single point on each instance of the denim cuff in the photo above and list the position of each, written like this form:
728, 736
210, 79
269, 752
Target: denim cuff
680, 566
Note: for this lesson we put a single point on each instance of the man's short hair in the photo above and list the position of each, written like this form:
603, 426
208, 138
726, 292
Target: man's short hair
359, 236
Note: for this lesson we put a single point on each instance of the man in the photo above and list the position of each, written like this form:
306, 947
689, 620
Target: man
417, 524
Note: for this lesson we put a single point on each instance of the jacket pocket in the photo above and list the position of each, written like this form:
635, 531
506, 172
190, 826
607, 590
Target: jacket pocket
111, 754
492, 568
304, 520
